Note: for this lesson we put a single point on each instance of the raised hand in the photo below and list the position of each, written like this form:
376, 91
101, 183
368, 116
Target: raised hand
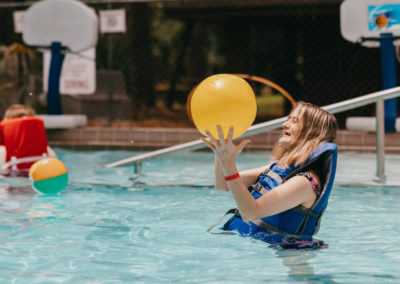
224, 149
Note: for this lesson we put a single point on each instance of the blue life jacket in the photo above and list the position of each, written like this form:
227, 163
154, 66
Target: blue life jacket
299, 222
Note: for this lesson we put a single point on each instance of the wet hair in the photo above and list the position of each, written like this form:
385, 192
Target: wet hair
317, 126
17, 110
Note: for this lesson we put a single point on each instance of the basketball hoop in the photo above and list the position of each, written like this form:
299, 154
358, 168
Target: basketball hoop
61, 26
376, 23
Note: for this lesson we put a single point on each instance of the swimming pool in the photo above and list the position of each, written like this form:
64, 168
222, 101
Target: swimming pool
108, 227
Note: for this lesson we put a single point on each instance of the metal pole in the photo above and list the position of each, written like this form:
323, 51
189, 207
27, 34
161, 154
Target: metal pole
53, 87
268, 125
138, 167
110, 81
380, 141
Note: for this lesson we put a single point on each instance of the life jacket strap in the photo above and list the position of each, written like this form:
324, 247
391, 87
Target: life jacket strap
275, 176
270, 228
259, 188
302, 210
234, 211
14, 161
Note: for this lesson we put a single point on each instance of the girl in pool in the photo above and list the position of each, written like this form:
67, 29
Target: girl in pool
282, 202
23, 140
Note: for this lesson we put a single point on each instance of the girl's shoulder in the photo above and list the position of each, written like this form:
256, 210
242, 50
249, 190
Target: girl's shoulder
314, 180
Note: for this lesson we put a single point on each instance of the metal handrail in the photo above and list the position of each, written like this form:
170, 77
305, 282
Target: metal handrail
378, 98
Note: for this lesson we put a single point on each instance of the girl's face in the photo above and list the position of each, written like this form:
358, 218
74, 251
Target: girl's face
291, 129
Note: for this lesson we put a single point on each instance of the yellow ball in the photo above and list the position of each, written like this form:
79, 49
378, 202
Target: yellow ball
48, 175
225, 100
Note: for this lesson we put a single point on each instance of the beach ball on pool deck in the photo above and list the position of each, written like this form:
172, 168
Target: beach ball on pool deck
225, 100
48, 175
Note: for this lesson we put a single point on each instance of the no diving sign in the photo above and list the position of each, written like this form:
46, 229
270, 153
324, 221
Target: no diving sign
78, 75
112, 21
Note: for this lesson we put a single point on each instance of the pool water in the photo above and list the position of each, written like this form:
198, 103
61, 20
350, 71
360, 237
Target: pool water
111, 226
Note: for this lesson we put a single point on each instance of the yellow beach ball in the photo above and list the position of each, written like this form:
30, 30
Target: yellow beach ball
48, 175
226, 100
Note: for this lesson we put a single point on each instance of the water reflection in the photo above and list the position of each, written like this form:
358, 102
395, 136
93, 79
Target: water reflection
21, 206
47, 208
300, 267
14, 199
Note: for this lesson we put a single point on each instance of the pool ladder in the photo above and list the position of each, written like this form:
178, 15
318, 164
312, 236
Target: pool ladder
378, 98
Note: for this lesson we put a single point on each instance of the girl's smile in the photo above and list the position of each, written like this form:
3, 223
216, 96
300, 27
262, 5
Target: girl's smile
291, 130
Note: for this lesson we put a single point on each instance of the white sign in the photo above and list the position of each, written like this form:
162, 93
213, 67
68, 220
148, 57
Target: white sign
112, 21
18, 21
78, 75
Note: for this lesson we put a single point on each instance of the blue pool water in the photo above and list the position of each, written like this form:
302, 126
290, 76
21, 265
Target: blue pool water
110, 226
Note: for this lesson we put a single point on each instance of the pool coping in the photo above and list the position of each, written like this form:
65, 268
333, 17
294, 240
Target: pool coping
158, 137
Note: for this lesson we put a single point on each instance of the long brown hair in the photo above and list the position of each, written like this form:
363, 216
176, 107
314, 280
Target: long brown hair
317, 126
17, 110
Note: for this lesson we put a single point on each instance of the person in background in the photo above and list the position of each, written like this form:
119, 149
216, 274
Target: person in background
282, 202
23, 140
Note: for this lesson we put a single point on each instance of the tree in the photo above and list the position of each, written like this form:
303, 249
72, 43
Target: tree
139, 67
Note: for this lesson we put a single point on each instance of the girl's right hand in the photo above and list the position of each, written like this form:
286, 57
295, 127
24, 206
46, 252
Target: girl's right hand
224, 149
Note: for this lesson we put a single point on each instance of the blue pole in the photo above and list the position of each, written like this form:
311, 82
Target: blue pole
53, 89
388, 58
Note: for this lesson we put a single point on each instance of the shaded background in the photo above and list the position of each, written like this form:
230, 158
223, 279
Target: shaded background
170, 46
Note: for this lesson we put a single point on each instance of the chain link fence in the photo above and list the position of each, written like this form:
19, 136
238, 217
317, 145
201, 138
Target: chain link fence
170, 46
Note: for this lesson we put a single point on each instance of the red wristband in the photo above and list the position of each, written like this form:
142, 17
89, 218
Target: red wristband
232, 177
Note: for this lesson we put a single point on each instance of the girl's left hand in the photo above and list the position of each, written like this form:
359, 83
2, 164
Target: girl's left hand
225, 151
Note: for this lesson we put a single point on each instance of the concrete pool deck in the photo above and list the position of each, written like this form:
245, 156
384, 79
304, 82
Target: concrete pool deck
154, 138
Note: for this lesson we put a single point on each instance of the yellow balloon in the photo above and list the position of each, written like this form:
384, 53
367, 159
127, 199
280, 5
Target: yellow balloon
226, 100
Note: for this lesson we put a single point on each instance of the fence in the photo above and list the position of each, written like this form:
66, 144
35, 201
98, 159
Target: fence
170, 46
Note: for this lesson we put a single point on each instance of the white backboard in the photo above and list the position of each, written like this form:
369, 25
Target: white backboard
78, 74
369, 18
70, 22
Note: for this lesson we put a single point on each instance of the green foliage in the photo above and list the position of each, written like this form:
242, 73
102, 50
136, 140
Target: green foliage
166, 34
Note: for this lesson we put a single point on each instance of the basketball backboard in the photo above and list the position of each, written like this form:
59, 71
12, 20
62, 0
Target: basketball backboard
69, 22
369, 19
